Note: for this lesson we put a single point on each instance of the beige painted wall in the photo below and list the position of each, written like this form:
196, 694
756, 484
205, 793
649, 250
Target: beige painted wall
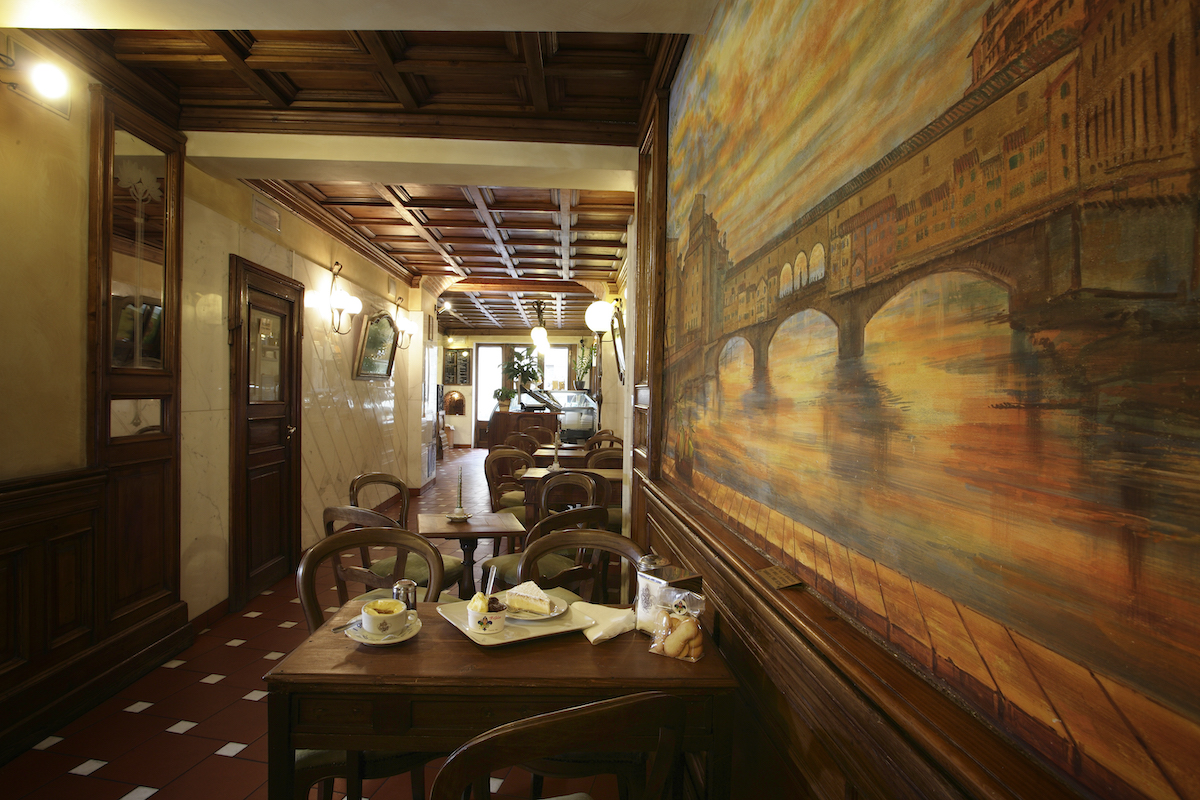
43, 227
347, 426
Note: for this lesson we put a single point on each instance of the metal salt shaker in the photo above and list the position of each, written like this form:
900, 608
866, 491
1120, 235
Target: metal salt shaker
405, 591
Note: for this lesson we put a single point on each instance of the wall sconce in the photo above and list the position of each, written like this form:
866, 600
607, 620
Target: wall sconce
342, 305
405, 326
599, 316
48, 80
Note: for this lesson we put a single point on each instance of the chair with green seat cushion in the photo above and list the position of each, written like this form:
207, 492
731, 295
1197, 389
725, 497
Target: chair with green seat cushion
325, 765
499, 468
552, 563
593, 542
559, 491
522, 441
385, 571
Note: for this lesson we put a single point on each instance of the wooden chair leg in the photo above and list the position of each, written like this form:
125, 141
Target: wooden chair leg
324, 790
535, 787
354, 774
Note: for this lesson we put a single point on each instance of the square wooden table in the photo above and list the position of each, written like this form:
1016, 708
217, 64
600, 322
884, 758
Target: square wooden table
571, 459
479, 526
435, 691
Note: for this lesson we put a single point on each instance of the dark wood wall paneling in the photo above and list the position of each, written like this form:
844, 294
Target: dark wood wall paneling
77, 621
89, 561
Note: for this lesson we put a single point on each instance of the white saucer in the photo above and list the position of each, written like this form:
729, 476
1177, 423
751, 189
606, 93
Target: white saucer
356, 632
457, 518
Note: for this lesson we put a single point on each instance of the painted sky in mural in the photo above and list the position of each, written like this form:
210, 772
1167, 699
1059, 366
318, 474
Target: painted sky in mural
781, 126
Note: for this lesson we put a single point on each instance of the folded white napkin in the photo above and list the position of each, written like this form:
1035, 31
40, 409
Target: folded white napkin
610, 622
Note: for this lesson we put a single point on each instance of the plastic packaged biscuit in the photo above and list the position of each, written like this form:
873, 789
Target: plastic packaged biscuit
675, 625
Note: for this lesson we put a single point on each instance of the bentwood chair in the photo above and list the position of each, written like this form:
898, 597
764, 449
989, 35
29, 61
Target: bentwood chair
313, 766
559, 491
382, 574
501, 468
604, 440
605, 458
522, 441
649, 725
591, 570
591, 516
394, 504
544, 436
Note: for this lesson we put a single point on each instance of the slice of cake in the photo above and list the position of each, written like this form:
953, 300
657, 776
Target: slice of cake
529, 597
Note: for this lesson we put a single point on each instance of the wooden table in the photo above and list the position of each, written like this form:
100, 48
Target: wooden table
571, 459
435, 691
616, 478
479, 526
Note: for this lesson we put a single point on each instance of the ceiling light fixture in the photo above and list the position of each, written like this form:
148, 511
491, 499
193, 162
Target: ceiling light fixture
342, 305
539, 335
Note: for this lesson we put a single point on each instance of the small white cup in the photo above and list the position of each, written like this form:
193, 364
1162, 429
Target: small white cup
486, 621
385, 616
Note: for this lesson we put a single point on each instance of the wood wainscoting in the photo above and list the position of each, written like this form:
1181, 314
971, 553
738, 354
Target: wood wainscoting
80, 614
837, 714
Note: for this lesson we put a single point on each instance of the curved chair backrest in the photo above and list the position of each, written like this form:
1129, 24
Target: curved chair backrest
593, 569
605, 431
522, 441
605, 458
582, 517
604, 440
560, 490
544, 436
652, 722
361, 538
499, 468
383, 479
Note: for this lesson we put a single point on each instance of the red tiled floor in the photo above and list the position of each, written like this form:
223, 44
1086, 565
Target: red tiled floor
216, 778
159, 684
244, 721
75, 787
198, 703
160, 760
182, 766
112, 737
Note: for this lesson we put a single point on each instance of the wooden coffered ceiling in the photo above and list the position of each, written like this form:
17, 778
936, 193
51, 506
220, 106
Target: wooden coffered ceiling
587, 88
505, 246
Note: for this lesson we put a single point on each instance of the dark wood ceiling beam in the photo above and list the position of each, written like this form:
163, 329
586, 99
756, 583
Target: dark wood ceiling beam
335, 121
564, 232
172, 60
227, 45
485, 214
311, 212
389, 194
536, 77
387, 69
482, 285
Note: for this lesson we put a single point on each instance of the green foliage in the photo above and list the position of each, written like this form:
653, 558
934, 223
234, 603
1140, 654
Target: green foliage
583, 363
523, 368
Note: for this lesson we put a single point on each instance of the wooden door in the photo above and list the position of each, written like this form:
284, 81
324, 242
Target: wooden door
266, 314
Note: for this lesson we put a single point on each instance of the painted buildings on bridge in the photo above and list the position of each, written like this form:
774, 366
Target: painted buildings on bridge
1092, 116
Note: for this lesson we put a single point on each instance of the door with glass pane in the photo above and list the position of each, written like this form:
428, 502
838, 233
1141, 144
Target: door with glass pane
265, 429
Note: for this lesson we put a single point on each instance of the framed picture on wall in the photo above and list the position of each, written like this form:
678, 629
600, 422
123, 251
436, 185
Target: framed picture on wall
377, 348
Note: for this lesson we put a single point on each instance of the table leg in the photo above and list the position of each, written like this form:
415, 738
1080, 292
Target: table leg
281, 759
466, 585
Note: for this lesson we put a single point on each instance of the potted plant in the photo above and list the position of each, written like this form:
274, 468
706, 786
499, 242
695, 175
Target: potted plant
504, 395
583, 363
523, 368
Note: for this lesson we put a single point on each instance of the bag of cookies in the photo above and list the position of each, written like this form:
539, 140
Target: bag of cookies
676, 628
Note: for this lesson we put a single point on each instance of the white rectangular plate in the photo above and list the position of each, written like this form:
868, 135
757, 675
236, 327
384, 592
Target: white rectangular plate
456, 615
